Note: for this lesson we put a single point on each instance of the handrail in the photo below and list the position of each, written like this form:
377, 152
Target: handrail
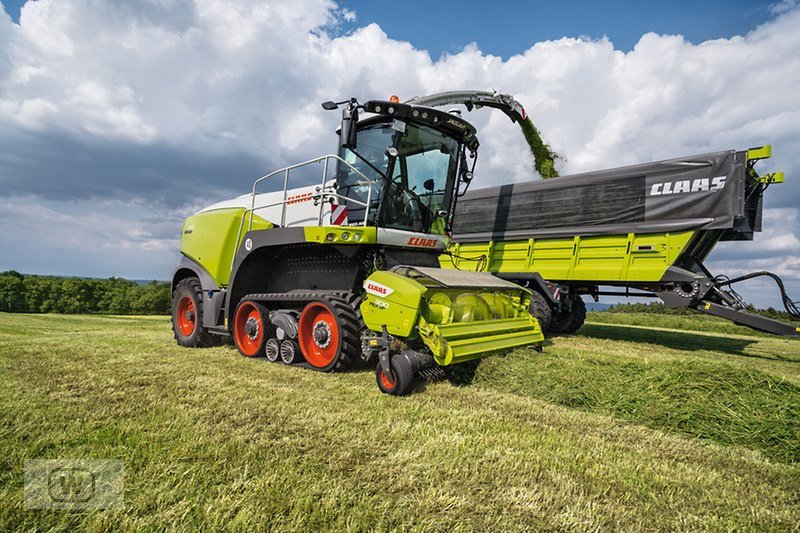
320, 196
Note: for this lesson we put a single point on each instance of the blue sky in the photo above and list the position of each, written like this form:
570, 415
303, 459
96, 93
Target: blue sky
118, 119
446, 27
507, 28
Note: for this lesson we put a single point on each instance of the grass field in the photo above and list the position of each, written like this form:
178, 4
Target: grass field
692, 425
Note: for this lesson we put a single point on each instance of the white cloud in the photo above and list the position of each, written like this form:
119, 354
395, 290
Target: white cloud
779, 8
180, 101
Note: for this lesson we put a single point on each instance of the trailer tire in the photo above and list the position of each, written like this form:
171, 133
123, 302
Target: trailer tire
402, 376
541, 311
572, 320
187, 315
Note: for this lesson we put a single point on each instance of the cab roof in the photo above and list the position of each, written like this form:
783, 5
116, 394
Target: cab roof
448, 123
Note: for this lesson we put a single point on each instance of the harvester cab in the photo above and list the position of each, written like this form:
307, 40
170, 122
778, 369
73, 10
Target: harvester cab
322, 275
414, 160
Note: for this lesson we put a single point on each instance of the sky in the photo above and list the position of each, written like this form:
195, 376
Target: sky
118, 119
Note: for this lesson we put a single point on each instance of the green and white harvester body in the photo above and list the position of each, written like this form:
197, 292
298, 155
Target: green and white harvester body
348, 268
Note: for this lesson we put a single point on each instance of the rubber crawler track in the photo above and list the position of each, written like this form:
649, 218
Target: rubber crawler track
341, 303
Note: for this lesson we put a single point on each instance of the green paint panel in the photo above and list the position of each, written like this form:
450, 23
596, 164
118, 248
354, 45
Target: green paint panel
398, 309
618, 258
209, 238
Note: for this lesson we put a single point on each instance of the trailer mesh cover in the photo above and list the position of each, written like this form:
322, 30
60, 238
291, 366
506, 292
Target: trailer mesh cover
699, 192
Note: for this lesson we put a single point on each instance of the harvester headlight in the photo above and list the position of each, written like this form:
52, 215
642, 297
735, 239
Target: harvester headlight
356, 236
345, 236
390, 110
330, 237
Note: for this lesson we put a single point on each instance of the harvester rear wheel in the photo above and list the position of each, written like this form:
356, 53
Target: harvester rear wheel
251, 328
328, 334
402, 377
187, 315
571, 321
541, 311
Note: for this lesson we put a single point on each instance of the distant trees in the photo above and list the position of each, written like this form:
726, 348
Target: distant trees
49, 294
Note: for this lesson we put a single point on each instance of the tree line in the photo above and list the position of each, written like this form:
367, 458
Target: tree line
21, 293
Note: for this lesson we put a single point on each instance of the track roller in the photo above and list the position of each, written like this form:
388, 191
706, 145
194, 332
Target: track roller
273, 350
290, 352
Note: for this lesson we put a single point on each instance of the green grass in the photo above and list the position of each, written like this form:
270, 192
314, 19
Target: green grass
694, 425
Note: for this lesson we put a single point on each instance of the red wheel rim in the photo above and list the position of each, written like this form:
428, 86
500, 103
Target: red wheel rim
387, 383
248, 340
187, 316
318, 333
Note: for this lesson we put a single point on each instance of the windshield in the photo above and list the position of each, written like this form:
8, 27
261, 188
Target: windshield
419, 181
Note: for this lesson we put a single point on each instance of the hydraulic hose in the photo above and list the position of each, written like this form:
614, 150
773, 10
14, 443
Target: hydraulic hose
788, 303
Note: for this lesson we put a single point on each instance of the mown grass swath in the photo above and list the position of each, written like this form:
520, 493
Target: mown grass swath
617, 427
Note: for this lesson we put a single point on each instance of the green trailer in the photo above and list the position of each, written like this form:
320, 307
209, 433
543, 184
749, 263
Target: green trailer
637, 231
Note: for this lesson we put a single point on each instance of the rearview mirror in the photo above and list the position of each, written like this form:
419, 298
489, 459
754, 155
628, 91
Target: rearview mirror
347, 133
429, 184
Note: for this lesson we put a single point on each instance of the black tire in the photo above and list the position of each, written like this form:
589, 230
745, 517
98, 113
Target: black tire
541, 311
349, 335
189, 290
571, 321
402, 376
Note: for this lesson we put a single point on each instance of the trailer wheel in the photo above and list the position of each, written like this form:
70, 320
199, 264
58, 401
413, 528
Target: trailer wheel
328, 334
541, 311
571, 321
187, 315
402, 377
251, 328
